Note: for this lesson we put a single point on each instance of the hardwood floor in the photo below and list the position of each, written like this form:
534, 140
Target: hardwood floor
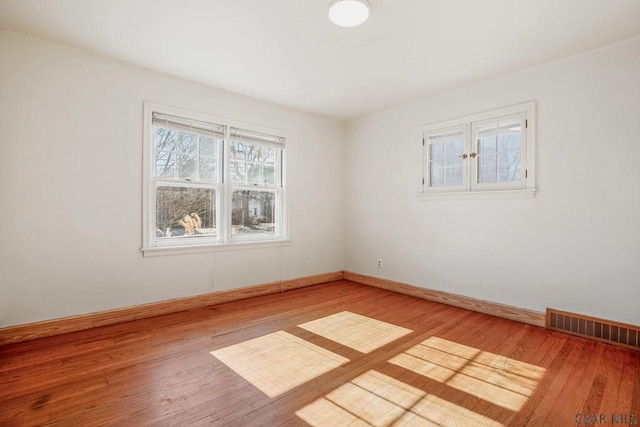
393, 360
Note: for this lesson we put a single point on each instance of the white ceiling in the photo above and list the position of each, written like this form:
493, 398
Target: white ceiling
289, 53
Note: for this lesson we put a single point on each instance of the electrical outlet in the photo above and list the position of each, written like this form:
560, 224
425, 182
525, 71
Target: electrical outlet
379, 263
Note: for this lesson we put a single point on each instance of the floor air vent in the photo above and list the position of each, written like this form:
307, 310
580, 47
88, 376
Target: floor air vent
591, 327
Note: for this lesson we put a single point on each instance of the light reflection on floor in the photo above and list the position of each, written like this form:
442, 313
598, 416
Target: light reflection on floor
278, 362
379, 400
360, 333
497, 379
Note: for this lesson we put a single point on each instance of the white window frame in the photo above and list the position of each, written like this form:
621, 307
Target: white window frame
277, 189
471, 189
224, 238
436, 132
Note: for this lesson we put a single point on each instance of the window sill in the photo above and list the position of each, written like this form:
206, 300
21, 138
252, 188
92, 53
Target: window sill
193, 249
480, 195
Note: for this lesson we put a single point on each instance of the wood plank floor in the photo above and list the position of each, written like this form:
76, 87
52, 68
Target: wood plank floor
393, 360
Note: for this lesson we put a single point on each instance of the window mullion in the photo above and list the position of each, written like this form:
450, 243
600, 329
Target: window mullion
472, 180
226, 196
471, 162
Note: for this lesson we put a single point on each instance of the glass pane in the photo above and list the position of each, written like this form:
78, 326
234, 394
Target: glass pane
238, 151
269, 174
187, 167
165, 164
253, 212
453, 172
487, 145
488, 130
487, 169
238, 171
510, 141
512, 125
187, 143
254, 171
269, 154
185, 212
208, 146
164, 139
436, 174
510, 165
436, 151
208, 169
454, 148
253, 164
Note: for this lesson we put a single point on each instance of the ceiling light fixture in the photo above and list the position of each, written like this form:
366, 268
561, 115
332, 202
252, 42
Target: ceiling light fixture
349, 13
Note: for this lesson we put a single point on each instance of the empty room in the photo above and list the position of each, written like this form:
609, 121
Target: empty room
319, 212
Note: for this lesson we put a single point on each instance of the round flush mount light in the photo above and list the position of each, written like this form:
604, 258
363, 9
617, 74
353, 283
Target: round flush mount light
349, 13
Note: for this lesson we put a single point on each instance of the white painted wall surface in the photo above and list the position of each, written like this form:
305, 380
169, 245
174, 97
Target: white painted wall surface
71, 187
576, 246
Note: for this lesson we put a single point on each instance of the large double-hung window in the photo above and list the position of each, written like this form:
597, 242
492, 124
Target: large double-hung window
488, 153
208, 182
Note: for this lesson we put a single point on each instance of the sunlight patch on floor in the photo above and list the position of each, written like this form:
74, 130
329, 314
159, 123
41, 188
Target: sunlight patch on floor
360, 333
278, 362
375, 399
497, 379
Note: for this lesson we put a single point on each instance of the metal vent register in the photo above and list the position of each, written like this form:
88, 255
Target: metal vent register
591, 327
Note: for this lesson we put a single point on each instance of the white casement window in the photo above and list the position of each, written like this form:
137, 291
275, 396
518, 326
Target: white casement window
487, 154
209, 183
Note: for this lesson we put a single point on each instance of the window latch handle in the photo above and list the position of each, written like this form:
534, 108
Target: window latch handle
464, 156
473, 155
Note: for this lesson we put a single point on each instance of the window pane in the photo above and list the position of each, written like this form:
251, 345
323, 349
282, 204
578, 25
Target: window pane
208, 146
487, 145
238, 150
184, 155
185, 212
499, 151
164, 139
238, 171
487, 169
254, 172
264, 154
436, 174
269, 174
187, 143
487, 130
253, 164
510, 167
453, 172
238, 166
253, 212
208, 169
187, 167
510, 141
454, 148
165, 164
436, 151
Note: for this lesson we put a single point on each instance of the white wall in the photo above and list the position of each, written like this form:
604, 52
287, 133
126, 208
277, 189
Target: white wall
576, 246
71, 186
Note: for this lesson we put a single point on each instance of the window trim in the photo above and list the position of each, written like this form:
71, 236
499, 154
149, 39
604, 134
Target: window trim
223, 239
470, 189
